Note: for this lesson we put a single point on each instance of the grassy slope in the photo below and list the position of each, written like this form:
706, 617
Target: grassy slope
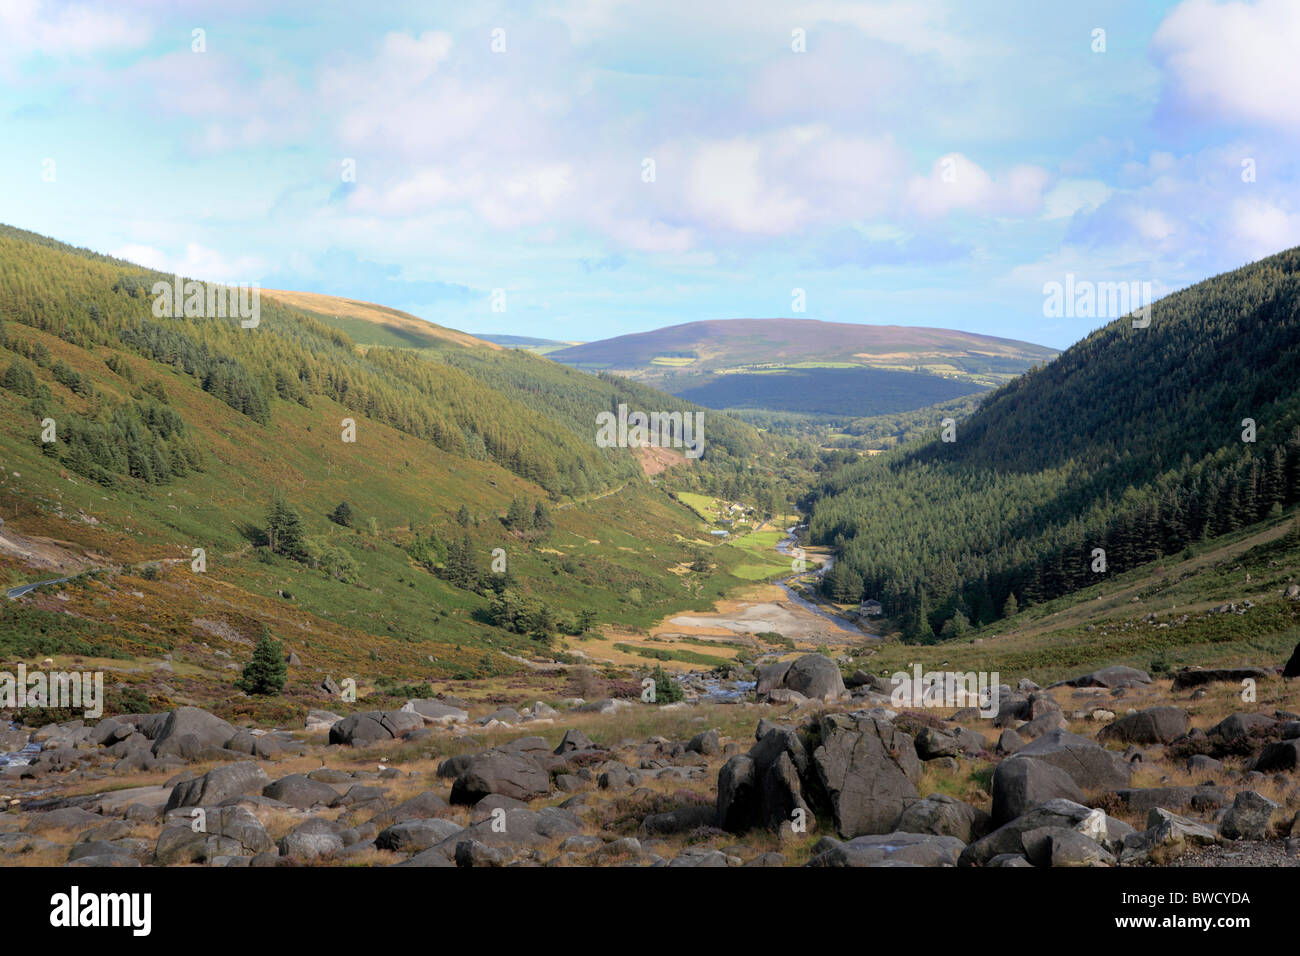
1109, 623
619, 554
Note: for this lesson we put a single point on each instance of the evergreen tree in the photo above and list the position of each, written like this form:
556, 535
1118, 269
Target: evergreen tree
518, 517
284, 530
266, 672
342, 515
1011, 607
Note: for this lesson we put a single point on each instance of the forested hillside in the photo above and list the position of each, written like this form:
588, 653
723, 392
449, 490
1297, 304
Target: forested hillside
135, 441
1130, 442
532, 417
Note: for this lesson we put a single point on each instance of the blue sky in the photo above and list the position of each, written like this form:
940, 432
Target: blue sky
920, 163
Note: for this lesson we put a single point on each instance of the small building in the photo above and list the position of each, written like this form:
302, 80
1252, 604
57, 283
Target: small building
871, 608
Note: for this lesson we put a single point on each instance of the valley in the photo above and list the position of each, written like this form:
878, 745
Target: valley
346, 539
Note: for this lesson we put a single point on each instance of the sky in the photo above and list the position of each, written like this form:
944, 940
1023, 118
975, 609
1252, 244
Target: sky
577, 169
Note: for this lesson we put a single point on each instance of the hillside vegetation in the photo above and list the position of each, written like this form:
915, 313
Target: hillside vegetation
1131, 443
134, 439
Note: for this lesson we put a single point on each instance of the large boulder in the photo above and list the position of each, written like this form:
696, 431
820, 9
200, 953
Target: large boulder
226, 831
890, 849
514, 775
764, 787
1155, 725
811, 677
311, 839
942, 815
1249, 818
435, 711
1140, 801
1197, 676
1021, 783
374, 726
1060, 846
771, 677
300, 791
1166, 838
187, 730
218, 785
1236, 727
573, 740
1009, 838
868, 770
1114, 676
1089, 765
816, 677
1283, 755
413, 836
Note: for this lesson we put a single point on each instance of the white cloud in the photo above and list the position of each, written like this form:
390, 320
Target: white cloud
1262, 229
197, 262
727, 189
1236, 61
1072, 195
30, 27
957, 183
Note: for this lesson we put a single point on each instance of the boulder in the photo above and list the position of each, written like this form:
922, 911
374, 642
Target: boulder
942, 815
681, 820
706, 742
1114, 676
931, 744
435, 711
1061, 846
412, 836
890, 849
310, 840
816, 677
1066, 814
228, 831
511, 774
1249, 818
1021, 783
1142, 800
1089, 765
1283, 755
1155, 725
1166, 838
1197, 676
375, 726
868, 769
217, 785
189, 730
1241, 726
764, 787
300, 791
574, 739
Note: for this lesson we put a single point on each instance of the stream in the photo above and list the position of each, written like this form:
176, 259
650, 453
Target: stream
784, 547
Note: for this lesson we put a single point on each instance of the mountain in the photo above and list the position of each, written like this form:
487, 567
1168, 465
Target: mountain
136, 442
528, 343
805, 365
1132, 444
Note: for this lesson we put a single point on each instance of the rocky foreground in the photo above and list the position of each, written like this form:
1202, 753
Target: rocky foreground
1109, 769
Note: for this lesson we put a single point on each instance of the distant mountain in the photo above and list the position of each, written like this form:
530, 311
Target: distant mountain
806, 365
528, 343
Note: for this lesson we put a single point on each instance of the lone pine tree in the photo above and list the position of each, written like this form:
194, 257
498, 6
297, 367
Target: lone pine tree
267, 671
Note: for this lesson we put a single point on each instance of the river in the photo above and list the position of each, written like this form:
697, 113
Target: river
828, 562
